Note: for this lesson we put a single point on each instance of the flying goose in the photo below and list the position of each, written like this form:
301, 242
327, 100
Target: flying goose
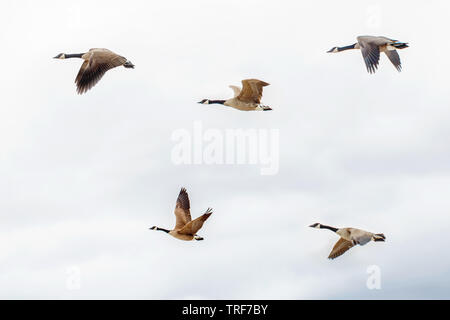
247, 99
185, 227
372, 46
96, 63
349, 238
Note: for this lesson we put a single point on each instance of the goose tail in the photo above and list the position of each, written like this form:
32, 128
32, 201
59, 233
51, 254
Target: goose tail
379, 237
400, 45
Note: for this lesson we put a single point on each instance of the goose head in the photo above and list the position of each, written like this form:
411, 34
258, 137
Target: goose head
315, 225
60, 56
204, 101
128, 64
333, 50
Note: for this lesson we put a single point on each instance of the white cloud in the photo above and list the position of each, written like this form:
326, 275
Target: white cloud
83, 177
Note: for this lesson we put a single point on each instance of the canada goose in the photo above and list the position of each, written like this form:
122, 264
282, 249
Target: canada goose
372, 46
96, 63
247, 99
185, 227
349, 238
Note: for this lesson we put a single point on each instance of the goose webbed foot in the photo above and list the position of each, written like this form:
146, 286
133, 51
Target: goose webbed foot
265, 108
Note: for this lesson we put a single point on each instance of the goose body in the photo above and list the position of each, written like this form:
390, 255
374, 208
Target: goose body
246, 99
349, 237
96, 62
371, 47
185, 228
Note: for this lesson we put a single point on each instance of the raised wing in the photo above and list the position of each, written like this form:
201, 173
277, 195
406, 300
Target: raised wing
182, 210
252, 90
192, 227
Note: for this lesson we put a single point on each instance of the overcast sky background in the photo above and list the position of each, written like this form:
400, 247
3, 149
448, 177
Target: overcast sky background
83, 177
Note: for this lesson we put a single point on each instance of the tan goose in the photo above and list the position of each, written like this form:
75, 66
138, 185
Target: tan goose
247, 99
349, 238
185, 227
372, 46
96, 63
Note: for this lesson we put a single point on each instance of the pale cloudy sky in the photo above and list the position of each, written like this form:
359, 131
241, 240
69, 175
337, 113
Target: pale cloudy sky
83, 177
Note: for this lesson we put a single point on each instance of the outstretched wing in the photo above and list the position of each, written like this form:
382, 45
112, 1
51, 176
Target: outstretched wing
95, 66
192, 227
371, 55
340, 248
182, 210
395, 59
252, 90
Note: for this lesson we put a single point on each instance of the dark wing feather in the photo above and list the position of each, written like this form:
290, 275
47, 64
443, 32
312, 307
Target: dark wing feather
94, 68
182, 210
89, 76
371, 55
395, 59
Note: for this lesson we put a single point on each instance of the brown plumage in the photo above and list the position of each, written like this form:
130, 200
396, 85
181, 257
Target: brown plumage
252, 90
96, 63
182, 210
349, 237
246, 99
185, 228
340, 248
